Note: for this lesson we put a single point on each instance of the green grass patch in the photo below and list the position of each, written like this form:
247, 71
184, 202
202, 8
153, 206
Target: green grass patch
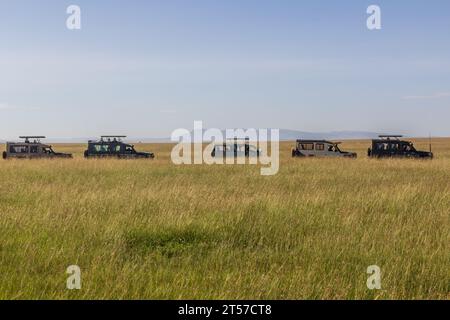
168, 241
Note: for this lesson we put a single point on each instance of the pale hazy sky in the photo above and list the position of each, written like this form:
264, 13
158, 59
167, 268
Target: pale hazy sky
145, 68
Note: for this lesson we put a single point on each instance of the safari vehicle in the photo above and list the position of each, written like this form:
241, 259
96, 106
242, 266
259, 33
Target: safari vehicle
320, 148
235, 148
114, 147
391, 146
31, 148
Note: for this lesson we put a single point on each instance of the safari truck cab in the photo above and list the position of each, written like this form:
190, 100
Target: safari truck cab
235, 148
391, 146
320, 148
31, 148
114, 147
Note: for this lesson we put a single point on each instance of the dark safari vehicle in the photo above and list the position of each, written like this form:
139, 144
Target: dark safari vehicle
320, 148
31, 149
113, 147
388, 146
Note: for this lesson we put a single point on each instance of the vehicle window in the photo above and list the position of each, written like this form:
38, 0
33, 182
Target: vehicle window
383, 146
320, 146
117, 148
394, 146
101, 148
18, 149
404, 147
307, 146
33, 149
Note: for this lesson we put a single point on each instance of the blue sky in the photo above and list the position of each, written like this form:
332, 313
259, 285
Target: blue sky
145, 68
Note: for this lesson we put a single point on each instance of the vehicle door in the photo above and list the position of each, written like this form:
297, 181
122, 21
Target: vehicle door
116, 149
35, 151
322, 150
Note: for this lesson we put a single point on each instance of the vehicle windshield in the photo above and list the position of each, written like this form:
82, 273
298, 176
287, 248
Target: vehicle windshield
334, 148
129, 149
410, 147
48, 150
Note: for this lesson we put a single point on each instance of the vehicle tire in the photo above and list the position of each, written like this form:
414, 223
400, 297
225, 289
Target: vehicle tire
86, 154
5, 155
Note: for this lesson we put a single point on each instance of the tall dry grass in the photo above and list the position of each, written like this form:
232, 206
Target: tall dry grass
147, 229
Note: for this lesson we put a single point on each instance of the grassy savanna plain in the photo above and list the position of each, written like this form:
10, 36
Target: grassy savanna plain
147, 229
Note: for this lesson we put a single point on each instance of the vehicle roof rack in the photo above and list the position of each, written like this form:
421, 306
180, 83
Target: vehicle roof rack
27, 138
32, 137
238, 138
389, 136
245, 140
118, 137
318, 141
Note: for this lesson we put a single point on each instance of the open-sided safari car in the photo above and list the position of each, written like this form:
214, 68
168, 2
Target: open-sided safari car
389, 146
114, 147
320, 148
31, 148
235, 148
